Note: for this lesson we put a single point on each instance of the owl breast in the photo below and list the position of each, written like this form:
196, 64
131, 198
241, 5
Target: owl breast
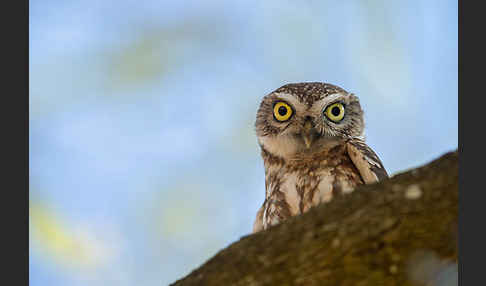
294, 186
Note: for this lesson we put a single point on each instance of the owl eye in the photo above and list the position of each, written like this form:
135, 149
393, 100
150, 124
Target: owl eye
335, 112
282, 111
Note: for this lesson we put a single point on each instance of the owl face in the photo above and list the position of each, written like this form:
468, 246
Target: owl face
306, 117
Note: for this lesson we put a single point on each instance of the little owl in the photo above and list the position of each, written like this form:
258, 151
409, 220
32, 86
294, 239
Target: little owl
313, 148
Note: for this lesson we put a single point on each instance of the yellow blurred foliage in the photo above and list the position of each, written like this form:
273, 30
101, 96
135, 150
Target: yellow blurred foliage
60, 241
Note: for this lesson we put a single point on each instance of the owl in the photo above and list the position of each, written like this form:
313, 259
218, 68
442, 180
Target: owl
311, 137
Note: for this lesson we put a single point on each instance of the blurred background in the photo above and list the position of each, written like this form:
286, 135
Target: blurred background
143, 157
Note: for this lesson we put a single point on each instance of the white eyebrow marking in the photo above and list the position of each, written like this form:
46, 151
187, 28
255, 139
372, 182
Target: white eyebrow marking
320, 104
298, 106
289, 98
332, 97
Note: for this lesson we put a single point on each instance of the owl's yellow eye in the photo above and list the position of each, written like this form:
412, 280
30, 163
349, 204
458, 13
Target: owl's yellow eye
282, 111
335, 112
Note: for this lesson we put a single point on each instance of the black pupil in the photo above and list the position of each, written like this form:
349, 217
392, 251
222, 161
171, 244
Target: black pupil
335, 111
282, 110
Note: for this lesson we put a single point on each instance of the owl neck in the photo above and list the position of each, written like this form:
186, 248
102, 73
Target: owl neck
273, 160
269, 158
276, 156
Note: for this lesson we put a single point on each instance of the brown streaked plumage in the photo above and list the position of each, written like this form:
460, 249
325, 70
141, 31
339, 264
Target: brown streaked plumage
312, 148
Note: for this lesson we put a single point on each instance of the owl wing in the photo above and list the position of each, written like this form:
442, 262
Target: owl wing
366, 161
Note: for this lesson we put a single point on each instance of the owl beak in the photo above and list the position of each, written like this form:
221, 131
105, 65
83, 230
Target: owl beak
308, 133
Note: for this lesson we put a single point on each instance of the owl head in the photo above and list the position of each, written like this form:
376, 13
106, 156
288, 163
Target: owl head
303, 118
